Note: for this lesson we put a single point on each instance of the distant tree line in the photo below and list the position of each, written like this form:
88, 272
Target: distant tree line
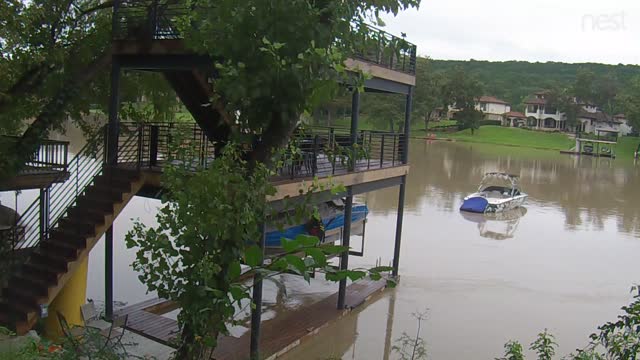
439, 83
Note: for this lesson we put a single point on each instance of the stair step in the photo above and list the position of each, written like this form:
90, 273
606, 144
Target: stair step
69, 236
16, 311
61, 248
57, 263
30, 280
78, 226
95, 216
119, 184
95, 204
24, 296
40, 271
122, 173
106, 193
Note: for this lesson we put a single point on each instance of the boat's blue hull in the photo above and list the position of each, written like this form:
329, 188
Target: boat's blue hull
273, 238
475, 204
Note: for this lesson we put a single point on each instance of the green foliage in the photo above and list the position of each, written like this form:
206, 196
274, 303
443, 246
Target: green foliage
500, 135
273, 70
412, 347
92, 345
208, 227
512, 351
629, 98
544, 346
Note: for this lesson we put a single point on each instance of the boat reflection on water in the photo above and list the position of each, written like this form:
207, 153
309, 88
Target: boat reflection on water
497, 226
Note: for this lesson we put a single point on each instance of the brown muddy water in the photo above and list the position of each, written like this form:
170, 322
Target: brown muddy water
565, 262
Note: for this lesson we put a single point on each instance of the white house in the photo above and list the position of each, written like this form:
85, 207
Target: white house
591, 120
541, 115
493, 108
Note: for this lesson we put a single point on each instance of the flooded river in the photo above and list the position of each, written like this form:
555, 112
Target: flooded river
566, 262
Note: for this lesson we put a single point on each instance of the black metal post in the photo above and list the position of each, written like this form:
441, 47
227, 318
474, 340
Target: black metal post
154, 137
344, 258
256, 312
108, 273
44, 213
114, 104
355, 116
407, 126
396, 249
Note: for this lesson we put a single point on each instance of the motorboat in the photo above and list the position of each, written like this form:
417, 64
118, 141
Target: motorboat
497, 192
327, 226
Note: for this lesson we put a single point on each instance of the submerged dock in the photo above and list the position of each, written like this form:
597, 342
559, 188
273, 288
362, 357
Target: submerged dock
280, 334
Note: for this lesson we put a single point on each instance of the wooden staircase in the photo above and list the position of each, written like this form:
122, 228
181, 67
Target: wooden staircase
54, 260
196, 93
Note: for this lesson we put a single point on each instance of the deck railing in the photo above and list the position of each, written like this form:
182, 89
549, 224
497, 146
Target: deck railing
156, 19
51, 155
312, 151
51, 205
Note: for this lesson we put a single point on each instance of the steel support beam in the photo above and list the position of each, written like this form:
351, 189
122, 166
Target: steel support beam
355, 116
407, 125
114, 105
108, 273
344, 258
256, 312
396, 249
44, 213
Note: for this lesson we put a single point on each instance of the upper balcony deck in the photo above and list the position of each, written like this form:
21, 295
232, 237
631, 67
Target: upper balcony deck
322, 153
384, 56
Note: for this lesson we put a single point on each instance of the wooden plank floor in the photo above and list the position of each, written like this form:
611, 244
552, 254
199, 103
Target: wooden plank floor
279, 334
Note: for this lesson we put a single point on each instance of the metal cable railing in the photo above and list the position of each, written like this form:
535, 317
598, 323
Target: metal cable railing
44, 213
323, 151
156, 19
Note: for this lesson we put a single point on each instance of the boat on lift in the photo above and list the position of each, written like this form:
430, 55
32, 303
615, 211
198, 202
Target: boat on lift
327, 226
492, 197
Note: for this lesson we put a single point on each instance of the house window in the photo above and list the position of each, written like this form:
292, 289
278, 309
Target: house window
532, 108
550, 110
483, 106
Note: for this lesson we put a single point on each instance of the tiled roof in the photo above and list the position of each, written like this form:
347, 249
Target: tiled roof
599, 116
515, 114
492, 99
532, 100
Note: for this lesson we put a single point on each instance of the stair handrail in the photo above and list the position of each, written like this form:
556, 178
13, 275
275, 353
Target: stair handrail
42, 216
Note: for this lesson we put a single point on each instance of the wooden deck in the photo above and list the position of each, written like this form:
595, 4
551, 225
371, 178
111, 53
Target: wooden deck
279, 334
34, 178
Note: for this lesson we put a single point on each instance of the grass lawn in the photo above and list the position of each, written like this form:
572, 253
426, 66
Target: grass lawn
515, 137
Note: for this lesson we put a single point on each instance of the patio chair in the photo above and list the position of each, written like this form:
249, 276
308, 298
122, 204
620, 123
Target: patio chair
72, 334
91, 317
115, 332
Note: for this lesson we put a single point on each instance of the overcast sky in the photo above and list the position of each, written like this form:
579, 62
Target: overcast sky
606, 31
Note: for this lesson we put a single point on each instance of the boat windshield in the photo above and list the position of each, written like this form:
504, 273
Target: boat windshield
489, 181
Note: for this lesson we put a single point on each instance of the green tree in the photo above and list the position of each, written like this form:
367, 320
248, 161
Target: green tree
462, 90
209, 225
629, 100
291, 61
428, 94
